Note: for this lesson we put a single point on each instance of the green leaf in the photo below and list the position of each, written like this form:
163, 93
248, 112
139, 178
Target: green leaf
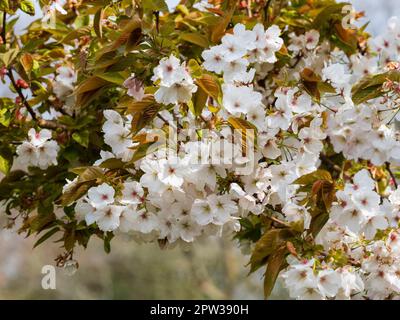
40, 221
114, 77
82, 138
107, 241
141, 151
323, 18
196, 39
5, 117
318, 222
155, 5
112, 164
87, 178
4, 6
46, 236
9, 56
27, 6
194, 68
4, 165
69, 239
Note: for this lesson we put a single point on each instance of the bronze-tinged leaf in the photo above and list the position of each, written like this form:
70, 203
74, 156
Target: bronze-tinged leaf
312, 177
218, 31
348, 36
91, 173
209, 84
328, 193
130, 27
291, 248
309, 75
97, 23
199, 101
317, 186
276, 263
133, 39
75, 192
144, 117
133, 106
112, 164
247, 131
310, 81
90, 84
27, 62
267, 245
370, 87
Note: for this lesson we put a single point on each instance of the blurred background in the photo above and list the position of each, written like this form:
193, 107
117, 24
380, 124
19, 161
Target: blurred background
212, 269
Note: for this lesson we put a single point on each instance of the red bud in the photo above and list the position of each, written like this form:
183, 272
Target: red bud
22, 84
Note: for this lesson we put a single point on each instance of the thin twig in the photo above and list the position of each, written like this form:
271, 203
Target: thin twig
3, 30
249, 13
391, 174
46, 124
278, 221
266, 10
21, 95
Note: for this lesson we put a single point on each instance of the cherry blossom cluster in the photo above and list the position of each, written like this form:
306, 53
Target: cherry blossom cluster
175, 83
64, 85
117, 136
306, 280
39, 151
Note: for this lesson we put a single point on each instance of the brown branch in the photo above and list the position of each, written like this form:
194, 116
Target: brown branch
46, 124
278, 221
266, 8
21, 95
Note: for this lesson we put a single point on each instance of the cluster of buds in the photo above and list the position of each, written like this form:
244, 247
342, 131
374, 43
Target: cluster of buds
22, 84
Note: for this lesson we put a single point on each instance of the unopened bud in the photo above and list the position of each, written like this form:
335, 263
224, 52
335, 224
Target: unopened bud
3, 72
387, 85
18, 100
22, 84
